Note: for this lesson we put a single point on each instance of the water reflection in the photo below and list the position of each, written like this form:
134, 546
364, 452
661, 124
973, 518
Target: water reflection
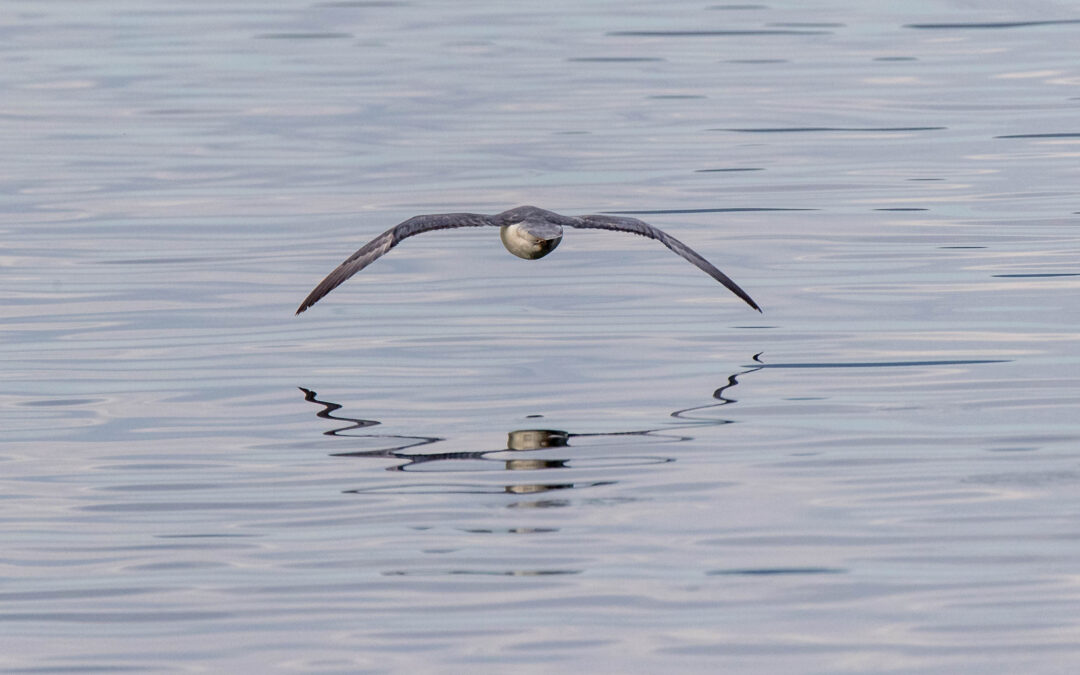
549, 450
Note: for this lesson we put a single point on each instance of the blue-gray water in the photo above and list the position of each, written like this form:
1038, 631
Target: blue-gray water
878, 474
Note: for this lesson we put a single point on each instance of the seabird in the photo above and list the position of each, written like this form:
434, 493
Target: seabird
527, 232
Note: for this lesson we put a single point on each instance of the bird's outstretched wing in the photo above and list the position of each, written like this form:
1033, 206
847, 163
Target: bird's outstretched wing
635, 226
388, 240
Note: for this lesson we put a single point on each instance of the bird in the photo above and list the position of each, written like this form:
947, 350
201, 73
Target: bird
526, 231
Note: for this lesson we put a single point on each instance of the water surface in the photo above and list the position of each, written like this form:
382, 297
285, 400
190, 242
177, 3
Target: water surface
601, 460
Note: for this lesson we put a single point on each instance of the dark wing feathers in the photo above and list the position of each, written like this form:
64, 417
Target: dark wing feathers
418, 224
635, 226
378, 246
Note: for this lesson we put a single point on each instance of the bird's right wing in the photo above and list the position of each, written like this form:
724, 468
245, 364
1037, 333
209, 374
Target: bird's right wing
640, 227
378, 246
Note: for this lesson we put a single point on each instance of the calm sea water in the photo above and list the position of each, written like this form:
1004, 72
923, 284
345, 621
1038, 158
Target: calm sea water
463, 462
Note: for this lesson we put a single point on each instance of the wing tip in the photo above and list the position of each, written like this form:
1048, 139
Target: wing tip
750, 301
308, 302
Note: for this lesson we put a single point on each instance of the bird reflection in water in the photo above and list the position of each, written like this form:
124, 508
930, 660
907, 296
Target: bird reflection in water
412, 458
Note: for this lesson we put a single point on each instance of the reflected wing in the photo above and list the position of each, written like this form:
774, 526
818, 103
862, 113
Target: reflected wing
388, 240
635, 226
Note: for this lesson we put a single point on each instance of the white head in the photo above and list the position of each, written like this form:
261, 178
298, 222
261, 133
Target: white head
530, 239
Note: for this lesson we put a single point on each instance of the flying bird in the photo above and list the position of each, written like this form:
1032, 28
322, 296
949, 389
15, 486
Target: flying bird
527, 232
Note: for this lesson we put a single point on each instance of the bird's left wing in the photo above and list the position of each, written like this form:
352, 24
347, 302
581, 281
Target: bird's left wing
378, 246
635, 226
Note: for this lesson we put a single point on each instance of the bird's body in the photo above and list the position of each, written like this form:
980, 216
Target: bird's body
531, 240
527, 232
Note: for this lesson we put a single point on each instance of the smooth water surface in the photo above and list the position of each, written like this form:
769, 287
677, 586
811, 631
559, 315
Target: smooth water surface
460, 461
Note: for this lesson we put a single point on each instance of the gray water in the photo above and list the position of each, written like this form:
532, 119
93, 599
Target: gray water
602, 461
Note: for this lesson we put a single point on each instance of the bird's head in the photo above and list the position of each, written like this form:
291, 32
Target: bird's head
531, 239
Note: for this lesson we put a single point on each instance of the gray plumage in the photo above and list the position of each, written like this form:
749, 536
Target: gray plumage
540, 229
